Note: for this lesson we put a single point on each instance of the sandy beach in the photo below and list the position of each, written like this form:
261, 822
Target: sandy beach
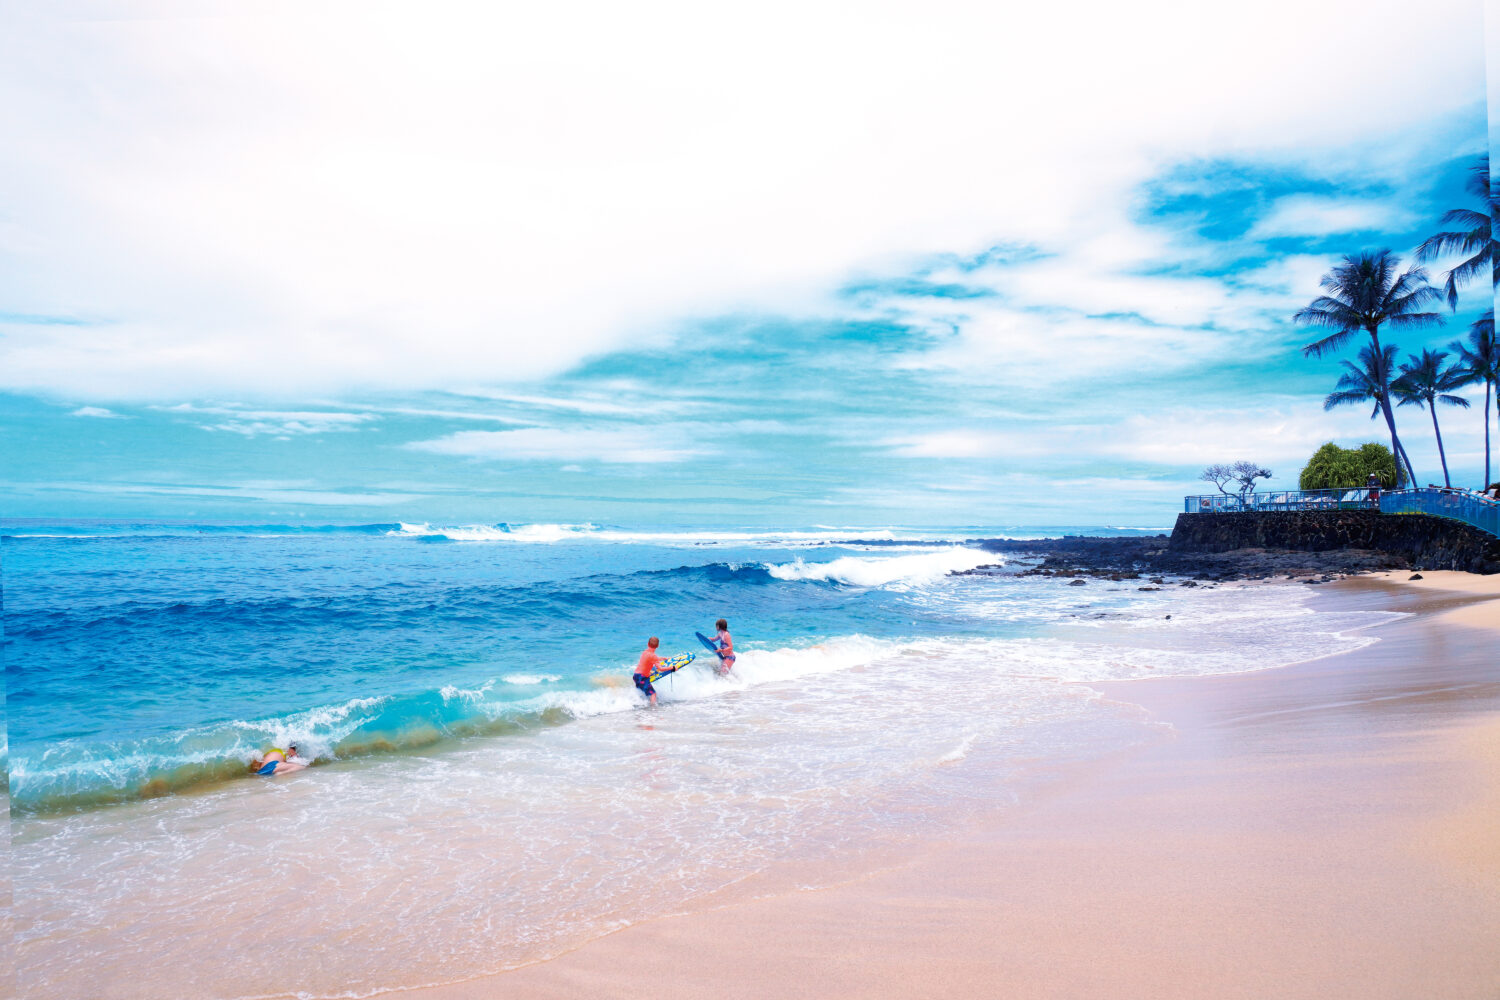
1330, 829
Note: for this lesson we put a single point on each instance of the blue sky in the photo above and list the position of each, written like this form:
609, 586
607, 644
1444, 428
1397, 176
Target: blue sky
963, 266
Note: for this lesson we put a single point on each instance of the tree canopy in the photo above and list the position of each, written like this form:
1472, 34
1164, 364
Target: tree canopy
1244, 474
1335, 468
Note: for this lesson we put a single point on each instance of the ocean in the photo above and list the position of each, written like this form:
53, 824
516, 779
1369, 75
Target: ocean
487, 787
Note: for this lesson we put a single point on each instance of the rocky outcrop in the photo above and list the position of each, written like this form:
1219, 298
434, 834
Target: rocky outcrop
1420, 541
1309, 545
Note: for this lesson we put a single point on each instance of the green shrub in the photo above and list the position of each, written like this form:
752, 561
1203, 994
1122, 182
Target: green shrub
1335, 468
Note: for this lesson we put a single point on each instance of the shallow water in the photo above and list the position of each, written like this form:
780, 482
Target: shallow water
488, 787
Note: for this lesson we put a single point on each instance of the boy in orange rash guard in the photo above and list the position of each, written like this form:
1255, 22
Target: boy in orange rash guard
643, 668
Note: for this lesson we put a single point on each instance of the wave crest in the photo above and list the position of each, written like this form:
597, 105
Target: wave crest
908, 570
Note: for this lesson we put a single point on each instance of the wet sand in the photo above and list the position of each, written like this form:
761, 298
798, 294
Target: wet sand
1327, 830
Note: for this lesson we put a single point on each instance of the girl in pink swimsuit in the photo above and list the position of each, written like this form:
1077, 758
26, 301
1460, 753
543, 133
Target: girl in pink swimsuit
726, 646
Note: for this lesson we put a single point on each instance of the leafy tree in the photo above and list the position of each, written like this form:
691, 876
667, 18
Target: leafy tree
1243, 473
1426, 381
1335, 468
1480, 359
1364, 293
1367, 382
1475, 236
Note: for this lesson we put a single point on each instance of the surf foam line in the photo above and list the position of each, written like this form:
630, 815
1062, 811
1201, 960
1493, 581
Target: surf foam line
72, 775
874, 571
552, 533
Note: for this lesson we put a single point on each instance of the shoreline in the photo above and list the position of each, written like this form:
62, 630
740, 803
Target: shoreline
1323, 829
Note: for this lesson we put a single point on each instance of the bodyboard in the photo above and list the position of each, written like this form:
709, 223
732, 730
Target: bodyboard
671, 665
709, 643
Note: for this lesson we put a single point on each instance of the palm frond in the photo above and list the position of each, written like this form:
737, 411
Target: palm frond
1332, 342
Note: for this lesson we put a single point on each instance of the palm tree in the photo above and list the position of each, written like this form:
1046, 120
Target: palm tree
1364, 292
1475, 237
1425, 381
1480, 358
1369, 382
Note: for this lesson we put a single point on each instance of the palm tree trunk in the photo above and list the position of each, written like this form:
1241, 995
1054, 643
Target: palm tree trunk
1385, 405
1432, 405
1411, 475
1396, 448
1486, 484
1487, 431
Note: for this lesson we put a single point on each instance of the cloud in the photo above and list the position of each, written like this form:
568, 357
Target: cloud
441, 414
1313, 215
1282, 435
547, 444
346, 198
968, 443
278, 422
96, 411
1282, 432
267, 492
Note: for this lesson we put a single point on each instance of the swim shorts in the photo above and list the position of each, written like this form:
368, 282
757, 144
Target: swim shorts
643, 684
270, 767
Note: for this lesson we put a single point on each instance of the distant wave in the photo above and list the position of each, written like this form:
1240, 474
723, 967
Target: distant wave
552, 533
858, 571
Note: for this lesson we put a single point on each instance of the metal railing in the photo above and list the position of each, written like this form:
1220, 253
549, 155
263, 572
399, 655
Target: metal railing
1460, 505
1281, 500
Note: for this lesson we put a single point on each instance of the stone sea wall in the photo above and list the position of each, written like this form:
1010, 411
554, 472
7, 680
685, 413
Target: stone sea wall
1419, 540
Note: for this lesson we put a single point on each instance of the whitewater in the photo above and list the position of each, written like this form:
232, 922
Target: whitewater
487, 787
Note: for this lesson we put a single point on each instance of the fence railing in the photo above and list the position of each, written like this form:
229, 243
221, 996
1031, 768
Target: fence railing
1281, 500
1460, 505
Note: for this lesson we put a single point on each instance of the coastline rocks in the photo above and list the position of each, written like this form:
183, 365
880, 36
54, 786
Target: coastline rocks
1404, 541
1313, 546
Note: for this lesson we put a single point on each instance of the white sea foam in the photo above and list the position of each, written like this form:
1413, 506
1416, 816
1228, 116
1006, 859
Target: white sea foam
699, 680
552, 533
959, 752
878, 571
452, 692
529, 679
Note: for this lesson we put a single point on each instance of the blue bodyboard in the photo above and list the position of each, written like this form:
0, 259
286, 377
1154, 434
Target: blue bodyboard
711, 644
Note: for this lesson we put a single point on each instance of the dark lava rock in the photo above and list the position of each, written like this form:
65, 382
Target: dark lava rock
1415, 576
1313, 546
1077, 583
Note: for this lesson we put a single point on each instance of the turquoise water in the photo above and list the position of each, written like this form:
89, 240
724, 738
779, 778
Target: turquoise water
487, 788
151, 657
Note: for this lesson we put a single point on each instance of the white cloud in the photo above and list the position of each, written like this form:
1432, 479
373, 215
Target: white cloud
280, 422
96, 411
1282, 436
418, 411
1281, 433
549, 444
265, 492
339, 197
1316, 215
968, 443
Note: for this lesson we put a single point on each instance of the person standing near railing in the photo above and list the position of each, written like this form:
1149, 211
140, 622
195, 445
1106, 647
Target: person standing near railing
1373, 485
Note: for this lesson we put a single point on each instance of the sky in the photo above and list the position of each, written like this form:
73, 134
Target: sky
978, 264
